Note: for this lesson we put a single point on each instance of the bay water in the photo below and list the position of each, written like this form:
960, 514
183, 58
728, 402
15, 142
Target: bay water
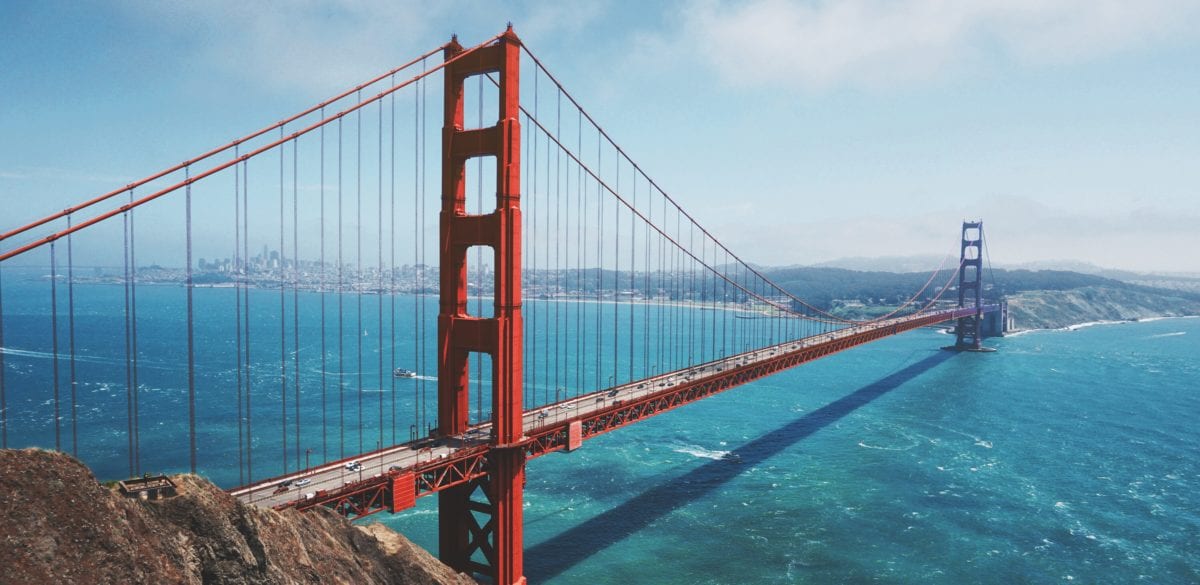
1065, 456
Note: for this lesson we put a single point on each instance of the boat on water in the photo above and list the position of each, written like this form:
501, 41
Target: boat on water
403, 373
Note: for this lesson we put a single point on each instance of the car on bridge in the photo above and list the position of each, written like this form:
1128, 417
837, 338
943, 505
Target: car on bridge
353, 466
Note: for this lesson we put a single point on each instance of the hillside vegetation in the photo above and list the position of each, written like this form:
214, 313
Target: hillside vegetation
1038, 299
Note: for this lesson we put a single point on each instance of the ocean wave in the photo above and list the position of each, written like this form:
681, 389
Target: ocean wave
62, 355
1079, 326
1021, 332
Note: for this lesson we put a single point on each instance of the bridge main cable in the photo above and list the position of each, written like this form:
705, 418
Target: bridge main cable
215, 151
199, 176
668, 197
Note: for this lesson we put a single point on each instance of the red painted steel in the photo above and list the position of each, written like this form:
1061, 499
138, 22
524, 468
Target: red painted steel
574, 435
403, 491
466, 469
459, 333
557, 437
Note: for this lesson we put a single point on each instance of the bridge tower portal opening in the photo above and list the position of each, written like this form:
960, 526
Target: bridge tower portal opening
480, 522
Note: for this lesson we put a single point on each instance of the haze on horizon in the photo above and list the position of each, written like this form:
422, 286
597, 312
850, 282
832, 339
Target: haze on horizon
825, 130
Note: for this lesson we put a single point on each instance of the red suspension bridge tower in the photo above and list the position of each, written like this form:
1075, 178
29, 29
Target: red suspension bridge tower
483, 535
969, 329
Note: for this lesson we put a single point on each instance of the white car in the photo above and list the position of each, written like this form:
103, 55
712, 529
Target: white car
302, 482
353, 466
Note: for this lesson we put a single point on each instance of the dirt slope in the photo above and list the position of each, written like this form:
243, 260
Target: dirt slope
58, 525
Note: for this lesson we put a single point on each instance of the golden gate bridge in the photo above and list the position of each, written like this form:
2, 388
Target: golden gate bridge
608, 302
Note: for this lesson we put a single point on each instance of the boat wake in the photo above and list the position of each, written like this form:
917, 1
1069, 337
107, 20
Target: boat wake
701, 452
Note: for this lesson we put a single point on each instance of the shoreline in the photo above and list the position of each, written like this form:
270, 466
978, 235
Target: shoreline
1089, 324
759, 310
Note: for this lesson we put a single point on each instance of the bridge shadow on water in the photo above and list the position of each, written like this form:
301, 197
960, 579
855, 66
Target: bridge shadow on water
554, 556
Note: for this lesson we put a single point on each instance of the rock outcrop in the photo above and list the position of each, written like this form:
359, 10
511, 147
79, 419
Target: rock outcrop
58, 525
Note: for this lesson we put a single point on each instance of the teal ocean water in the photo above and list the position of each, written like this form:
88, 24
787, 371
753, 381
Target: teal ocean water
1066, 456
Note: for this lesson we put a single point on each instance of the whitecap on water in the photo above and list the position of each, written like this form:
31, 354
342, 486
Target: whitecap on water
882, 448
1174, 334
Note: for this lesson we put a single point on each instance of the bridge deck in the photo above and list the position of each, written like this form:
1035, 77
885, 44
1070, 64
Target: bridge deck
440, 463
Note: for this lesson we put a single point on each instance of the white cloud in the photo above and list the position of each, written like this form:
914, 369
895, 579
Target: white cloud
319, 47
884, 42
310, 46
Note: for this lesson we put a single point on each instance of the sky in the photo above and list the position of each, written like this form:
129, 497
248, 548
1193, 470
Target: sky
798, 132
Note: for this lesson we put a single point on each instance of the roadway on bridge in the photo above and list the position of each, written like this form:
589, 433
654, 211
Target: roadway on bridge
304, 484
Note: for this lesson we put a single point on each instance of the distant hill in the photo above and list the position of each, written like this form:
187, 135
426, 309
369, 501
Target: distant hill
883, 263
1042, 309
1038, 298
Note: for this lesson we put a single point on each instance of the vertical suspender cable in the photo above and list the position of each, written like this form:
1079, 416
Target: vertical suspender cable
647, 297
137, 442
676, 315
239, 269
392, 261
527, 359
559, 184
692, 291
54, 344
662, 285
358, 277
191, 346
616, 279
580, 257
283, 427
379, 247
324, 286
528, 256
128, 346
632, 273
724, 306
548, 277
600, 263
418, 268
530, 209
424, 149
246, 317
71, 342
358, 255
296, 296
341, 314
421, 199
528, 251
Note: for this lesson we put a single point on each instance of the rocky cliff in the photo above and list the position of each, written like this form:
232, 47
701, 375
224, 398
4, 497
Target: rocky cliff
1046, 309
58, 525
